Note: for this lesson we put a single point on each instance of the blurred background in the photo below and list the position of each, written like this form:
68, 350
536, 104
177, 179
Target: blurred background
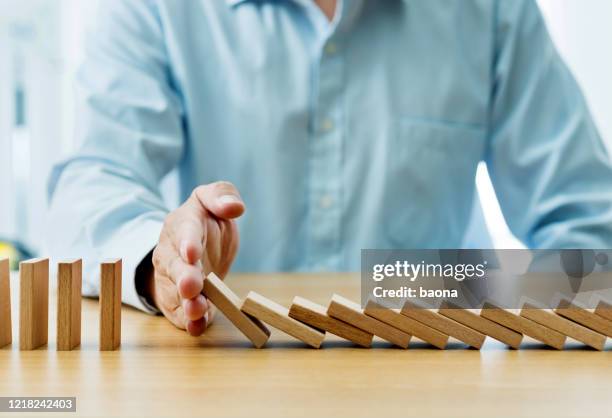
41, 46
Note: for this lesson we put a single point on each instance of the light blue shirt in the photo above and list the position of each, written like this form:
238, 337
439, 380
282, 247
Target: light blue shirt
364, 132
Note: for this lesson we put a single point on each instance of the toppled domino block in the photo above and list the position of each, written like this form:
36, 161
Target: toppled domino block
481, 324
604, 309
229, 304
69, 279
277, 316
33, 303
110, 304
351, 312
584, 317
523, 325
315, 315
6, 328
443, 324
564, 326
406, 324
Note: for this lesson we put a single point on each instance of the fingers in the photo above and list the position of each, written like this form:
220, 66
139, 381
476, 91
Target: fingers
195, 308
188, 277
220, 198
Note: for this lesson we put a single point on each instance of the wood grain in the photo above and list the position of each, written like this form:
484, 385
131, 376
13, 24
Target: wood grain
229, 304
33, 303
316, 316
6, 327
604, 309
277, 316
110, 304
69, 282
411, 327
584, 317
523, 325
443, 324
564, 326
481, 324
351, 312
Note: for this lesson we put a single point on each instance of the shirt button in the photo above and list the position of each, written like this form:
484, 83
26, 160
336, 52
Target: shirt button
331, 48
327, 125
326, 202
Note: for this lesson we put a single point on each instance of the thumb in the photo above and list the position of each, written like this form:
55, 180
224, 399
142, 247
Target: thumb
221, 199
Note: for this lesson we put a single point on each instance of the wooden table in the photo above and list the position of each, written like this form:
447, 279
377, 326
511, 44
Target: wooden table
160, 371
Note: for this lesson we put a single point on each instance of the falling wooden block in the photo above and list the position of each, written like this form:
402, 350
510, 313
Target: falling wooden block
110, 305
443, 324
564, 326
584, 317
6, 328
229, 303
604, 309
69, 279
33, 303
523, 325
277, 316
481, 324
349, 311
316, 316
406, 324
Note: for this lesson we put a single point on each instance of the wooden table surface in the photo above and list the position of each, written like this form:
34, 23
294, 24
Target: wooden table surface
160, 371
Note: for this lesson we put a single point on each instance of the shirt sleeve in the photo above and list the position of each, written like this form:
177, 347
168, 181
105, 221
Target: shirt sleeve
105, 200
550, 169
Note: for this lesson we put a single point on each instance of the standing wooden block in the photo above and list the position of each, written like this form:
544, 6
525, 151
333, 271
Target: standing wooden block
69, 279
523, 325
564, 326
229, 303
315, 315
481, 324
604, 309
33, 303
406, 324
6, 328
584, 317
349, 311
443, 324
110, 305
278, 316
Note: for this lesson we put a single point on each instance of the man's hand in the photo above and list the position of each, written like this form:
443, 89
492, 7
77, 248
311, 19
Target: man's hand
197, 238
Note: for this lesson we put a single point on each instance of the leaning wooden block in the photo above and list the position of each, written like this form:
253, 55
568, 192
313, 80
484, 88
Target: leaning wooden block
523, 325
481, 324
229, 303
584, 317
315, 315
564, 326
406, 324
69, 279
110, 305
349, 311
604, 309
33, 303
277, 316
443, 324
6, 328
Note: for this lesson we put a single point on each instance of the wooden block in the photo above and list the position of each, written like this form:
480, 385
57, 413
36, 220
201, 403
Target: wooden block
69, 279
6, 328
349, 311
277, 316
585, 317
523, 325
406, 324
604, 309
564, 326
33, 303
229, 303
481, 324
443, 324
316, 316
110, 304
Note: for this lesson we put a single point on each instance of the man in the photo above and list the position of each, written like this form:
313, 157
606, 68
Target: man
341, 124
